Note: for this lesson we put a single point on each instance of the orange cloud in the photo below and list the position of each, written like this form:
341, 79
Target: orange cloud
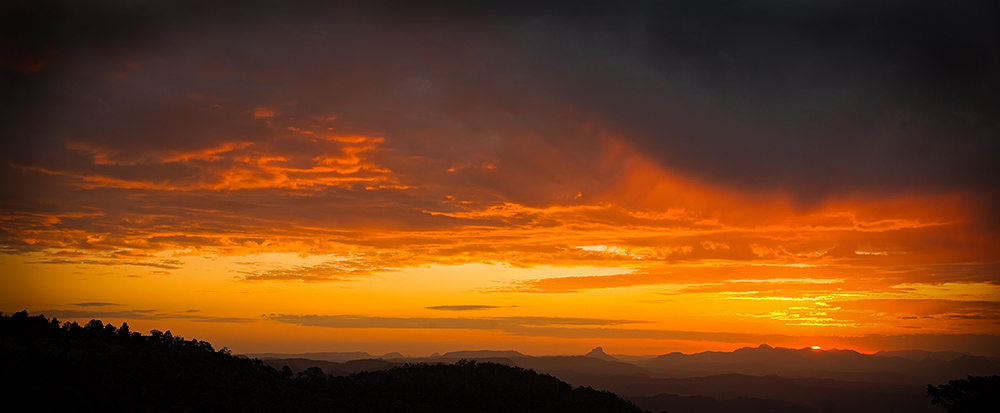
344, 269
263, 113
790, 205
230, 166
208, 154
689, 226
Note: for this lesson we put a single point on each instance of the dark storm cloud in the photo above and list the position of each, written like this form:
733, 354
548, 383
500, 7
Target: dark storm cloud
804, 96
810, 97
483, 102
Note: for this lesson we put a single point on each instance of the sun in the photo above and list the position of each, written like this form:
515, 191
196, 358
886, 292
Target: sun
815, 347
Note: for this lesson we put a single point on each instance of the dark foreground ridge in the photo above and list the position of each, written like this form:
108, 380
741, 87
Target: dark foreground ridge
97, 367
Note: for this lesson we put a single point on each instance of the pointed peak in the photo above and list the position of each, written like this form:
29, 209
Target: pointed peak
765, 347
598, 352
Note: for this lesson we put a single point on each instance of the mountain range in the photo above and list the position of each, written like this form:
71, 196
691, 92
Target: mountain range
750, 379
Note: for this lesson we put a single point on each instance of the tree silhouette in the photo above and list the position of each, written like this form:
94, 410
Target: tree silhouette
53, 367
972, 395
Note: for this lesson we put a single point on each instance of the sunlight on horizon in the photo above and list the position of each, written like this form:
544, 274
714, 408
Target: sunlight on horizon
362, 179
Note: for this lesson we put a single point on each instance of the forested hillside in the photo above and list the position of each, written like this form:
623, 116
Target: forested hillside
106, 368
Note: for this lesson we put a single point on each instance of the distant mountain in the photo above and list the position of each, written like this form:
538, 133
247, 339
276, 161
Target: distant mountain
557, 365
920, 355
750, 379
59, 367
836, 364
554, 365
391, 356
476, 354
598, 353
633, 359
326, 356
917, 367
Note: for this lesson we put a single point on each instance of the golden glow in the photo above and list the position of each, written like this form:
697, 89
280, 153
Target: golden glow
337, 248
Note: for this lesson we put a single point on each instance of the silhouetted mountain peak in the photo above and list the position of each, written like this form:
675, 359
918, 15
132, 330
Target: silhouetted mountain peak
978, 363
763, 348
598, 353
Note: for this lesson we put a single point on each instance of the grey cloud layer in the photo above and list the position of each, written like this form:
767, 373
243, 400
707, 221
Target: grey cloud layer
809, 97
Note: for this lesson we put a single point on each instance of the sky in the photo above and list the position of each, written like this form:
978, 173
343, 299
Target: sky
647, 176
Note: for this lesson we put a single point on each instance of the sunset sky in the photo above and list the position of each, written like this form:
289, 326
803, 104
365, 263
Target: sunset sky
649, 176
